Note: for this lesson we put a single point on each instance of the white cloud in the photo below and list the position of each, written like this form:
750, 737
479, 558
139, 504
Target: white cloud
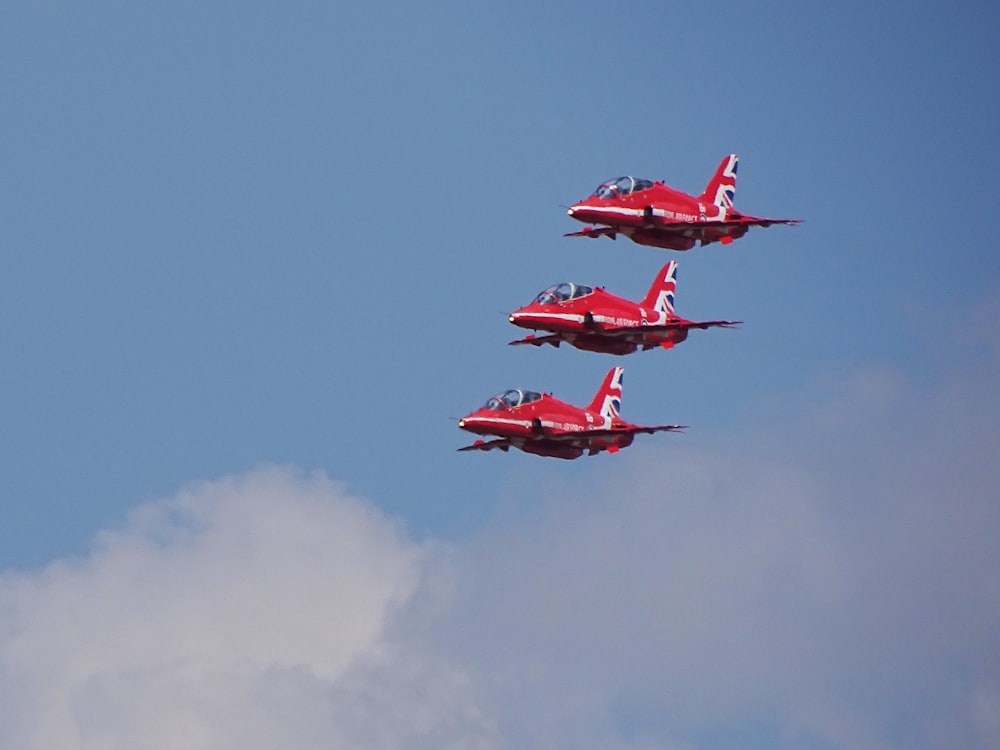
832, 580
247, 612
827, 576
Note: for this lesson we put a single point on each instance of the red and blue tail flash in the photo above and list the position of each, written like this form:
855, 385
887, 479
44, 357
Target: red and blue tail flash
721, 189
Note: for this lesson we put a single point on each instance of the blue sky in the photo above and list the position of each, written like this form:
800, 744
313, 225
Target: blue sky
253, 235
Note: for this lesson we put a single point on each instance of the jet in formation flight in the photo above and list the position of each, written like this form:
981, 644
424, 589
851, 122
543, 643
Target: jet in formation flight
540, 424
651, 213
592, 319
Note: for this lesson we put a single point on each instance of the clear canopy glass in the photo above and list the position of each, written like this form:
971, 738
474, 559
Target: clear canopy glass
562, 292
511, 398
621, 186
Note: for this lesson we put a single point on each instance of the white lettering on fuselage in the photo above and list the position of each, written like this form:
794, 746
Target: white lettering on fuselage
666, 213
620, 322
646, 318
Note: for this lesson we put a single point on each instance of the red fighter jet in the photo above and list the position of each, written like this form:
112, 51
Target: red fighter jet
651, 213
540, 424
592, 319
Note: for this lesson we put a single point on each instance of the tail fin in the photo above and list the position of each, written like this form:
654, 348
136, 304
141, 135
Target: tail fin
661, 294
608, 399
722, 187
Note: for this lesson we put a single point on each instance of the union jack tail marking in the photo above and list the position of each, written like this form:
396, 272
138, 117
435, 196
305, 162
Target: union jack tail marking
608, 399
721, 189
660, 296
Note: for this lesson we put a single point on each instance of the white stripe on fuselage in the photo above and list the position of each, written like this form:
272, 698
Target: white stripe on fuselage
559, 316
659, 318
617, 210
498, 420
564, 426
662, 213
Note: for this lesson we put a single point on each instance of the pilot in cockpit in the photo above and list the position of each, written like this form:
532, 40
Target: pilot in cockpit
511, 398
621, 187
561, 293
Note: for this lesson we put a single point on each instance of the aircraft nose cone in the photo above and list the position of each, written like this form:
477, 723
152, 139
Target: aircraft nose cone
571, 210
520, 318
461, 423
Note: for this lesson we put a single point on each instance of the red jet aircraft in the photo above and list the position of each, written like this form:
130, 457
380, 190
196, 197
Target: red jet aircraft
540, 424
594, 320
651, 213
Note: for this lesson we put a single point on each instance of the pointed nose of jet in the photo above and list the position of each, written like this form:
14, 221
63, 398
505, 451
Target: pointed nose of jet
468, 422
519, 318
479, 422
579, 211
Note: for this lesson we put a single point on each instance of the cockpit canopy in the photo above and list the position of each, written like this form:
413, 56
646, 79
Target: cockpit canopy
621, 186
510, 399
562, 292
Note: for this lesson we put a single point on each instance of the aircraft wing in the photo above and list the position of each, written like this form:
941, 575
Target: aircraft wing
759, 222
594, 232
553, 340
488, 445
679, 226
632, 429
711, 231
637, 332
705, 232
581, 437
743, 221
676, 325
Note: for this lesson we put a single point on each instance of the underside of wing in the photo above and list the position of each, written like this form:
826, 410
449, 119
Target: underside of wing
673, 234
675, 225
678, 325
683, 325
758, 222
488, 445
637, 429
553, 340
634, 429
742, 221
594, 232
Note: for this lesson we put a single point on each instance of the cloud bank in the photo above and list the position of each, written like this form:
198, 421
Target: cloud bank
826, 577
833, 582
243, 613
